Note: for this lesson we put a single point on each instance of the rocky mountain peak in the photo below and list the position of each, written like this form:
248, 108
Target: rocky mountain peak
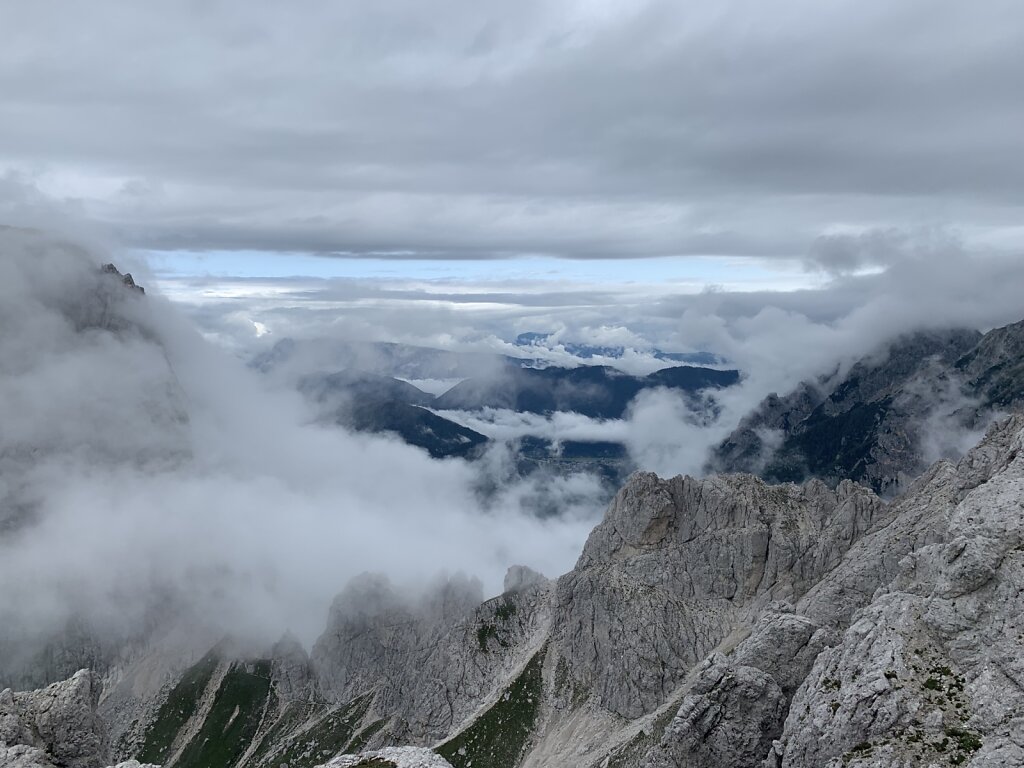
520, 577
126, 279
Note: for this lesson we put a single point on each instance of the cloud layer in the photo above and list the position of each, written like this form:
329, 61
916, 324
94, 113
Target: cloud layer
463, 129
139, 463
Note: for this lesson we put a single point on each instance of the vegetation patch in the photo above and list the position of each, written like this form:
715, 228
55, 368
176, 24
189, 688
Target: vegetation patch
181, 704
505, 611
964, 740
238, 709
483, 633
498, 738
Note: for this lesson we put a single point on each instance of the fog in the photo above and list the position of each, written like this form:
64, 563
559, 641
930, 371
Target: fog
142, 465
139, 461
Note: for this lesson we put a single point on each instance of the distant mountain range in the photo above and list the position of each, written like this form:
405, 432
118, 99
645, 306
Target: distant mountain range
890, 416
370, 402
367, 402
597, 391
590, 351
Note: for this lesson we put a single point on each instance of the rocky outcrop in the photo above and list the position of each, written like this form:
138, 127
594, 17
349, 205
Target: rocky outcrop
678, 564
735, 704
929, 672
126, 279
429, 664
292, 671
58, 723
391, 757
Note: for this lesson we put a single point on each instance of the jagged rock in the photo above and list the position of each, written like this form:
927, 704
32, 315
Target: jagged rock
737, 704
293, 674
60, 720
391, 757
675, 566
931, 670
126, 278
23, 756
727, 719
431, 663
521, 577
371, 630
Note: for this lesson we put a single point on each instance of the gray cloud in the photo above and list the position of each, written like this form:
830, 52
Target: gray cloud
465, 129
139, 464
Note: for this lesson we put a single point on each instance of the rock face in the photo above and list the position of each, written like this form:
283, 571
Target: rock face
929, 671
429, 667
889, 417
391, 757
57, 724
678, 564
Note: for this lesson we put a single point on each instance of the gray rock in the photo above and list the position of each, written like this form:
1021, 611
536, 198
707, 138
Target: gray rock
520, 577
399, 757
59, 720
931, 669
727, 719
678, 564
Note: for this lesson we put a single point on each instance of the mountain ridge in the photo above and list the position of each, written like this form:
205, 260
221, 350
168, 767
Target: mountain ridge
718, 621
871, 423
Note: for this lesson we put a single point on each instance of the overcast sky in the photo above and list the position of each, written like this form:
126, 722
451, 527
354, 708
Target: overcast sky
469, 129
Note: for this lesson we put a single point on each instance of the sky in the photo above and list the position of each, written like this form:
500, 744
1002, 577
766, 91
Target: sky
740, 133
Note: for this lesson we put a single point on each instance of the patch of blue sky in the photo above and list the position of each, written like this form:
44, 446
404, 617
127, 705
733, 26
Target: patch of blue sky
697, 271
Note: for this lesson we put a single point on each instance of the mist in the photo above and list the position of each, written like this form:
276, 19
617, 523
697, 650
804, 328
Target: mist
139, 461
143, 463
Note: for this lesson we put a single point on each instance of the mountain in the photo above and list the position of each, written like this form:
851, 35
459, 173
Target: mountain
888, 417
590, 351
367, 402
708, 622
994, 369
596, 391
417, 426
335, 389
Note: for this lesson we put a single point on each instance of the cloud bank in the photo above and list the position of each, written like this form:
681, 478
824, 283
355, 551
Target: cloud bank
138, 461
466, 129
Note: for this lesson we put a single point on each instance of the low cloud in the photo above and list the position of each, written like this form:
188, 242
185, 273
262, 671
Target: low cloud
140, 462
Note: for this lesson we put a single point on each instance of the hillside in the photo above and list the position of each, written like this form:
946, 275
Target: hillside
886, 419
